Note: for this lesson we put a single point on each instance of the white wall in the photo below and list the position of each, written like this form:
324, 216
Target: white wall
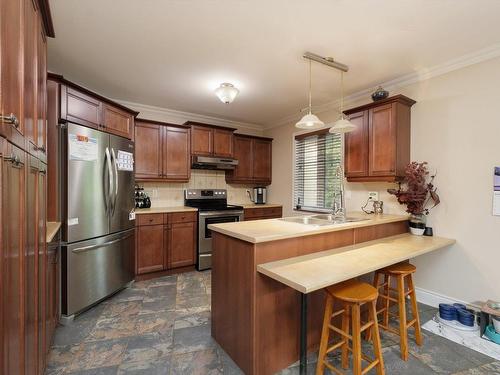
456, 128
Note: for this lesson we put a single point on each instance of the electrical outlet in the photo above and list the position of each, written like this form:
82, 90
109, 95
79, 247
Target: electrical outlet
373, 195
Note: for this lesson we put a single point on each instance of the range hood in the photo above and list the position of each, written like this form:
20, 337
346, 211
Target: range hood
206, 162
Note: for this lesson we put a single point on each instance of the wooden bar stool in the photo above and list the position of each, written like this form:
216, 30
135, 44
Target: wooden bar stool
400, 272
351, 294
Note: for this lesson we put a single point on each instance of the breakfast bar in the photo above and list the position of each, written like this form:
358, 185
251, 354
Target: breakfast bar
263, 270
316, 271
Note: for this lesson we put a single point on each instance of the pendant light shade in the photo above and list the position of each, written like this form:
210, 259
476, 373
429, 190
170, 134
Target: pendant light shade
310, 121
342, 125
226, 92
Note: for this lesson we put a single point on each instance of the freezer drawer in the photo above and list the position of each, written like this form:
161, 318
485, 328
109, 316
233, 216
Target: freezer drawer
96, 268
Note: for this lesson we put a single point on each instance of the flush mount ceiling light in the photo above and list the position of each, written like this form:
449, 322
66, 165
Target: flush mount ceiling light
342, 125
226, 92
310, 121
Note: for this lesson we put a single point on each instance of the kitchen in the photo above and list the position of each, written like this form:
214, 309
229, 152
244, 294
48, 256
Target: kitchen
189, 194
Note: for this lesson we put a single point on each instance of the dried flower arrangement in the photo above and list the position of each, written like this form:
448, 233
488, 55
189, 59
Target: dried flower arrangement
418, 191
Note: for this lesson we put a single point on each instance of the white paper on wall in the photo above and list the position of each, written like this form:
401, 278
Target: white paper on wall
496, 192
82, 148
125, 161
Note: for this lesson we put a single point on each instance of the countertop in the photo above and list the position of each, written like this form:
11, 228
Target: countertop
275, 229
52, 229
267, 205
163, 210
318, 270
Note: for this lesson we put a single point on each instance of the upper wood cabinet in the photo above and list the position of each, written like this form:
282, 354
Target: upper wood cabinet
162, 151
379, 148
211, 140
87, 108
254, 155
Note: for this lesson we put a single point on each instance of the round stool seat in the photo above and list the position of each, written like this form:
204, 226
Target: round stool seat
400, 269
353, 291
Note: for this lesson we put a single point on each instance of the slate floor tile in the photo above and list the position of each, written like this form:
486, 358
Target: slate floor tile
97, 371
158, 304
159, 367
193, 339
73, 333
204, 362
488, 369
99, 354
113, 328
191, 317
147, 348
161, 322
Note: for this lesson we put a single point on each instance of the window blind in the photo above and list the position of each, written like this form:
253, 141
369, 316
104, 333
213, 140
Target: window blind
317, 156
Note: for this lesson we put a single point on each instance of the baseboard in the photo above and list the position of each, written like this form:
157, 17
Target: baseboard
433, 299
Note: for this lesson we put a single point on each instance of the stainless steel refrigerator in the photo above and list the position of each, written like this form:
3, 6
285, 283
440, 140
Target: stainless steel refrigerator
98, 219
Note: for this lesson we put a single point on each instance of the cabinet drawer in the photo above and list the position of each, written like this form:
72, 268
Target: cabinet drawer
181, 217
149, 219
263, 213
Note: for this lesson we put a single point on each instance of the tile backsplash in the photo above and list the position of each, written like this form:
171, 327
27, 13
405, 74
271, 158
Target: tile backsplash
169, 194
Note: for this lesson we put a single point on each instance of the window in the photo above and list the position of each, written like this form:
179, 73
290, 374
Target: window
317, 157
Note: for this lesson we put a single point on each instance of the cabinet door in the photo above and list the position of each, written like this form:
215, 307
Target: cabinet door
116, 121
30, 75
181, 247
223, 143
356, 146
11, 71
13, 243
382, 138
31, 268
262, 160
148, 151
52, 295
202, 140
42, 314
176, 153
42, 94
80, 108
150, 249
243, 152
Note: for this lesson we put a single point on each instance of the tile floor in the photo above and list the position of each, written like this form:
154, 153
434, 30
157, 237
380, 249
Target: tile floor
162, 326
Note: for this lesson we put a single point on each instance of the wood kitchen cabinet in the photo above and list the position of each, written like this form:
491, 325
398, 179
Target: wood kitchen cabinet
379, 148
260, 213
84, 107
211, 140
254, 155
165, 242
162, 151
12, 259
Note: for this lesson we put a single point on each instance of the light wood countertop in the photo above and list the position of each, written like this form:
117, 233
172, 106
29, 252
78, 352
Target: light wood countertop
52, 229
164, 210
276, 229
318, 270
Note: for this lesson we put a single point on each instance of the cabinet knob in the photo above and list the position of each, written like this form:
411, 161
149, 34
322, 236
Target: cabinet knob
10, 119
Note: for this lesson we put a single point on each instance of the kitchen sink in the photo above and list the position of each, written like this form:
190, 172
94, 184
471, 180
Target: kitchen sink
308, 220
322, 219
337, 220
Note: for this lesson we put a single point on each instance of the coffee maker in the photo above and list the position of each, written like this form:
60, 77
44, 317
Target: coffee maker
259, 195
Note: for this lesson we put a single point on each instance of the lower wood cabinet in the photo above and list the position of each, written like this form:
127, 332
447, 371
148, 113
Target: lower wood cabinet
165, 241
259, 213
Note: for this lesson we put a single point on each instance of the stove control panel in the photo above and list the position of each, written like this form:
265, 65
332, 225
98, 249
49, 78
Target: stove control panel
205, 194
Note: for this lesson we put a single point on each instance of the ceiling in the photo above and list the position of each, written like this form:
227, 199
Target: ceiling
174, 53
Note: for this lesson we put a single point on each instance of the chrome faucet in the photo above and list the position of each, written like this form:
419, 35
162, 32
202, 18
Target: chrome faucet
339, 211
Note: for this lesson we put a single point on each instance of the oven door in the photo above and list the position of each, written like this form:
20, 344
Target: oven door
204, 254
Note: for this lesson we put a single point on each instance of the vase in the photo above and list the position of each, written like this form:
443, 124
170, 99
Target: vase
417, 224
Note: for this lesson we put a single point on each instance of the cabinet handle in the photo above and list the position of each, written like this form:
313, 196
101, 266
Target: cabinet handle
42, 148
15, 160
10, 119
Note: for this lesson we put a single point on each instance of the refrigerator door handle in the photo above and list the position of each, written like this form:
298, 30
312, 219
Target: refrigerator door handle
91, 247
110, 179
116, 178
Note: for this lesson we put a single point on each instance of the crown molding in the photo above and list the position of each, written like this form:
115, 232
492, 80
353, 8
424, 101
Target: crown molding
181, 117
461, 62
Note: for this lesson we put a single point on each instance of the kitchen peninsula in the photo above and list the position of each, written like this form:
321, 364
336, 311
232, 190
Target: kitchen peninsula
256, 318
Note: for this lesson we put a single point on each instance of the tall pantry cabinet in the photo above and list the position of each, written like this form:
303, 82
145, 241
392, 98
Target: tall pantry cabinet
24, 27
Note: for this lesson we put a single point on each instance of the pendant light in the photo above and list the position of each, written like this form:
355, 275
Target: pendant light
226, 92
310, 121
342, 125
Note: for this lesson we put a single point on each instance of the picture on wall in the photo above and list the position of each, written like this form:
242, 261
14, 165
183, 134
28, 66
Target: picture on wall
496, 191
496, 181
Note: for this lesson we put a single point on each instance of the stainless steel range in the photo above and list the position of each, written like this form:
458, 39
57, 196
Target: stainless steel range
212, 209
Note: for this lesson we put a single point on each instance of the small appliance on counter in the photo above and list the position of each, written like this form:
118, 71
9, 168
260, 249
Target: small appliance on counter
259, 195
141, 198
